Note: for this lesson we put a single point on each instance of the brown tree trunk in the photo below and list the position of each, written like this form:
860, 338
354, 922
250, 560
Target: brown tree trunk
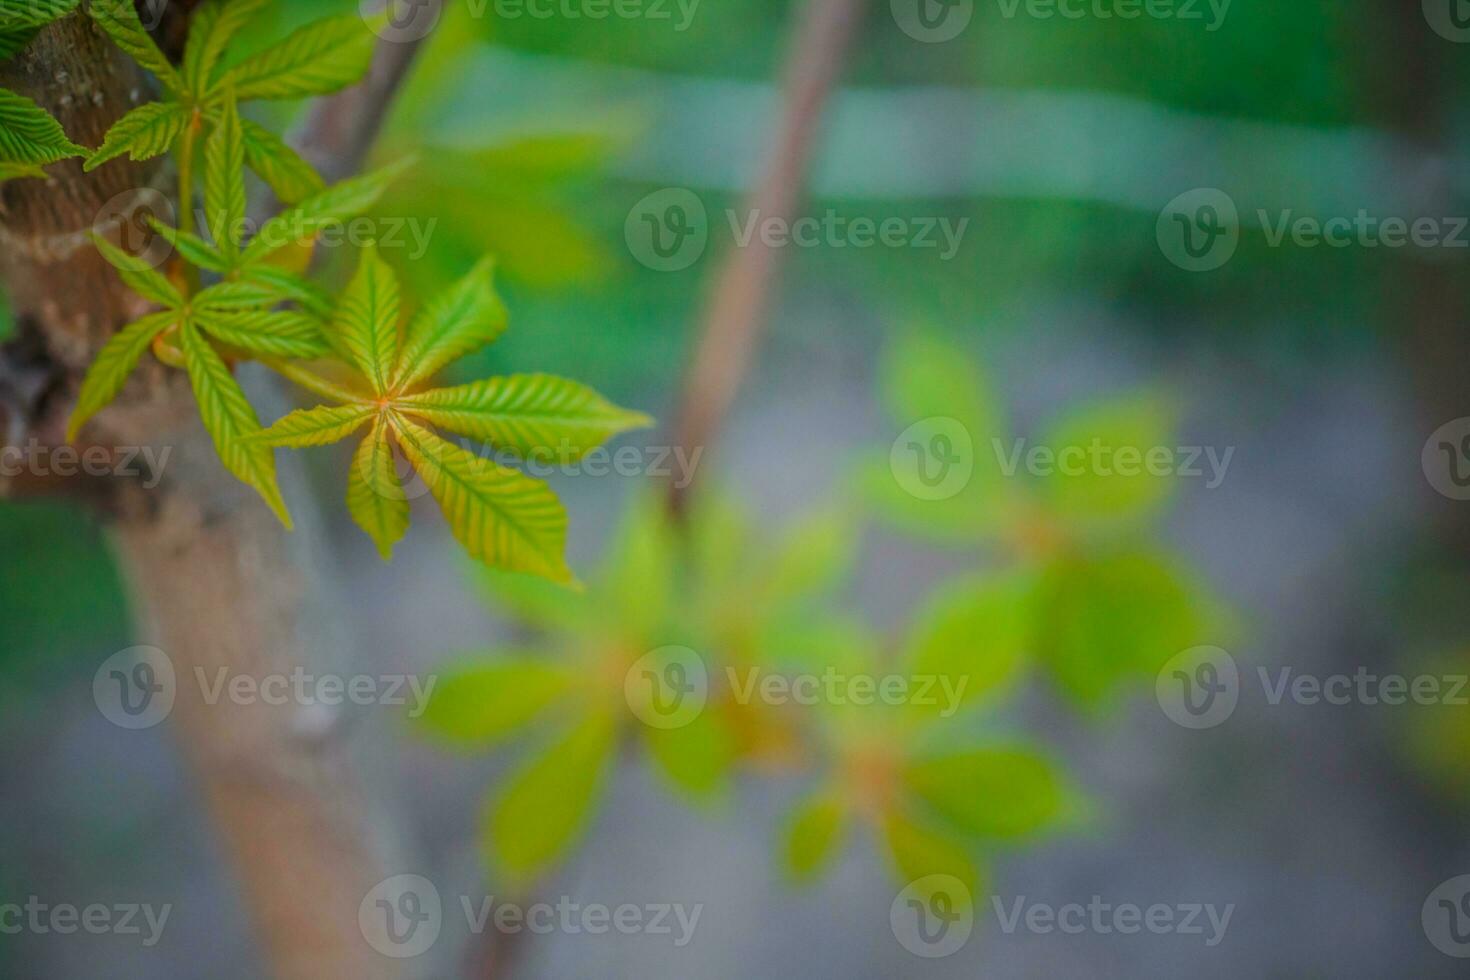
217, 582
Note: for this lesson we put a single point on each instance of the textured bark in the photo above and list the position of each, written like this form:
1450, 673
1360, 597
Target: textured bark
217, 582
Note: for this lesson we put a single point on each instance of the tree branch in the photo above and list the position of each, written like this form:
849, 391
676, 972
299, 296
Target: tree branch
737, 308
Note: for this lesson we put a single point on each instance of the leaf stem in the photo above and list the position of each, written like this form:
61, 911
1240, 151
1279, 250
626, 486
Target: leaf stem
186, 191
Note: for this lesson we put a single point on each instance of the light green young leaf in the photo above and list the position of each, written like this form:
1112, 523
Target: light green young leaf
290, 177
112, 367
813, 836
365, 325
148, 131
918, 853
119, 18
696, 758
548, 805
230, 420
237, 295
269, 333
484, 703
283, 285
974, 635
15, 171
320, 426
320, 58
138, 275
334, 204
210, 29
224, 180
375, 496
537, 416
195, 250
463, 318
29, 135
1126, 479
502, 517
989, 793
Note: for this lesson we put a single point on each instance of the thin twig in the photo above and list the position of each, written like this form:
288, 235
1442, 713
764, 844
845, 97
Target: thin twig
737, 308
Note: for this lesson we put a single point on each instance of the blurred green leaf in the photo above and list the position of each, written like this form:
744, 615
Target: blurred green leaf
814, 835
484, 703
975, 633
989, 793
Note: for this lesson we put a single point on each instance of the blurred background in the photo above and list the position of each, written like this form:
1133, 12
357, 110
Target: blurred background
1062, 144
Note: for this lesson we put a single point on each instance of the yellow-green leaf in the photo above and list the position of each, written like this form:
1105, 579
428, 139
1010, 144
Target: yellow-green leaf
138, 275
365, 324
119, 18
224, 180
375, 496
148, 131
918, 852
195, 250
28, 134
273, 333
320, 426
463, 318
989, 793
696, 757
289, 176
537, 416
483, 703
210, 29
548, 805
319, 58
502, 517
973, 637
813, 836
230, 420
331, 205
114, 363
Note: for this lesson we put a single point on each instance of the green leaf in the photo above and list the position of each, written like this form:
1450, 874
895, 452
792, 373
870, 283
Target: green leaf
210, 29
974, 635
463, 318
548, 805
924, 376
119, 18
696, 758
33, 13
814, 557
13, 40
365, 324
230, 420
238, 295
15, 171
335, 204
144, 133
28, 134
537, 416
484, 703
989, 793
502, 517
813, 836
195, 250
224, 180
639, 571
1103, 620
375, 496
533, 601
272, 333
918, 852
1122, 480
283, 285
138, 275
112, 367
320, 426
290, 177
320, 58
